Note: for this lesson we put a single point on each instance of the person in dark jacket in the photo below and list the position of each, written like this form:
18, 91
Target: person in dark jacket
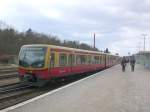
132, 63
123, 63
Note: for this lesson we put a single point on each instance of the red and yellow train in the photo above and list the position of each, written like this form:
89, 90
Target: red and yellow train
39, 64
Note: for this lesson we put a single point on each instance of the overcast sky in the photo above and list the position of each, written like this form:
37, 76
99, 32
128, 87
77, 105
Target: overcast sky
118, 24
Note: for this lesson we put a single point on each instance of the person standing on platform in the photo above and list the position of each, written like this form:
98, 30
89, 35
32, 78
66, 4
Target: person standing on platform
132, 63
123, 63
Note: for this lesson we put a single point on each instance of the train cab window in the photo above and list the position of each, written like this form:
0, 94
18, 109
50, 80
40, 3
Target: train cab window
32, 57
63, 59
52, 60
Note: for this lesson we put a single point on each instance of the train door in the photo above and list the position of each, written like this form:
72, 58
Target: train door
51, 62
70, 61
100, 59
105, 60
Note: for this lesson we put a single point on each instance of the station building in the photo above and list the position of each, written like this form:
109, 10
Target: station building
143, 57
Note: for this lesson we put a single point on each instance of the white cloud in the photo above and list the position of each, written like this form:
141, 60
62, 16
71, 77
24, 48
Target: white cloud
52, 14
118, 24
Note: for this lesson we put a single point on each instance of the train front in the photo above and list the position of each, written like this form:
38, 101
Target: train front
32, 65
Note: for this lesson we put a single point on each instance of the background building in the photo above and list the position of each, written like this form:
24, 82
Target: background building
143, 57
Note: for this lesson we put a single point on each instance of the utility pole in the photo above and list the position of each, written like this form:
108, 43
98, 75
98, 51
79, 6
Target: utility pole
94, 40
144, 38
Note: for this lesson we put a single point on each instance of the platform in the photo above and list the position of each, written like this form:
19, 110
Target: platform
108, 91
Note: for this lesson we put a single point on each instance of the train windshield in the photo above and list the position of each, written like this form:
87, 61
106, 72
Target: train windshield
32, 57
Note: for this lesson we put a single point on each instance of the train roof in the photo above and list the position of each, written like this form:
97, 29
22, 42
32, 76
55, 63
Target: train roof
67, 48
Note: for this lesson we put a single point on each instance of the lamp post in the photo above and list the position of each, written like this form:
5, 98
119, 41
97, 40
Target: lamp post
144, 38
94, 40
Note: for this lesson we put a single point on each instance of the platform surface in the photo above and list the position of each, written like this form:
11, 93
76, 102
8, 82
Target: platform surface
108, 91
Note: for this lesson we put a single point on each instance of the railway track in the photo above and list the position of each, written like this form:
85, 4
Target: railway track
7, 85
8, 75
9, 95
12, 87
8, 70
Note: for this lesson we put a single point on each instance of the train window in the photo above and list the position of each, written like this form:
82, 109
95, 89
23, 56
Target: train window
83, 59
86, 59
106, 59
89, 59
92, 60
103, 59
78, 59
71, 59
62, 59
100, 59
52, 60
96, 59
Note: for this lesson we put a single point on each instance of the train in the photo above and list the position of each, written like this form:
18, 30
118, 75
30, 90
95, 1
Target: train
39, 64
